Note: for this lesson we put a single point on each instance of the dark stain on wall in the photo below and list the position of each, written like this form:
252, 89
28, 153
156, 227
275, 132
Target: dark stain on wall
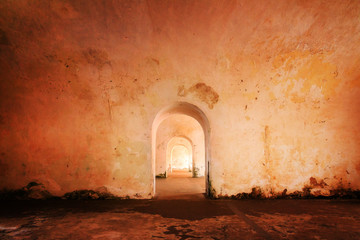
203, 92
3, 38
2, 120
156, 61
35, 190
4, 167
96, 57
315, 183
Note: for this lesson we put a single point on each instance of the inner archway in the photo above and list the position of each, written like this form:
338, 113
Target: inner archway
180, 158
180, 110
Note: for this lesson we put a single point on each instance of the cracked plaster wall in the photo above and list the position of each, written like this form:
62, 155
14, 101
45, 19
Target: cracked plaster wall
81, 83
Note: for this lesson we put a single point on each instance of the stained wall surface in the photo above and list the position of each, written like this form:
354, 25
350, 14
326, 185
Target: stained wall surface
82, 81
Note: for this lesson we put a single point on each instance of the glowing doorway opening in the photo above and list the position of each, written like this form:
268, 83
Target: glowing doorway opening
195, 113
180, 158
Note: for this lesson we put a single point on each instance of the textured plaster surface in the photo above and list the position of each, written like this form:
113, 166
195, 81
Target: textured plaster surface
81, 83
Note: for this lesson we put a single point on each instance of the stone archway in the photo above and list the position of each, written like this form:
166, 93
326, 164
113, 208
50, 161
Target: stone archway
191, 111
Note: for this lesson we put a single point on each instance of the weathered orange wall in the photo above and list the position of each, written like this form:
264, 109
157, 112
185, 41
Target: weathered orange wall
81, 83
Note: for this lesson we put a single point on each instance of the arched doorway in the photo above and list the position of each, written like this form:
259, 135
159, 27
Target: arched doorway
177, 142
197, 114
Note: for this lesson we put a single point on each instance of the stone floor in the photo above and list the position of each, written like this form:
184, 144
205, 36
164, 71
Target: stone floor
188, 216
180, 185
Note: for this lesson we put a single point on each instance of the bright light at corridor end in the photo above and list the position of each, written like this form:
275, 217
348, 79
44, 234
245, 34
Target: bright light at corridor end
180, 158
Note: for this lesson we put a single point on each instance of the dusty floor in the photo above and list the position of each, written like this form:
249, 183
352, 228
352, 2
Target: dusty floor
180, 219
180, 185
186, 216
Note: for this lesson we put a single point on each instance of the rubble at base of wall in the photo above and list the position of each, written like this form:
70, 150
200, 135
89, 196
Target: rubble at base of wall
306, 193
37, 191
90, 195
161, 175
33, 190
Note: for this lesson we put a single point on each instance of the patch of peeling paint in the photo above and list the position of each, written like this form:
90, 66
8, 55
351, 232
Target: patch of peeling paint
301, 71
202, 91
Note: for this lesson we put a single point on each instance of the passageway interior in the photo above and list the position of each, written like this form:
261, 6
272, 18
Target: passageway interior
180, 158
